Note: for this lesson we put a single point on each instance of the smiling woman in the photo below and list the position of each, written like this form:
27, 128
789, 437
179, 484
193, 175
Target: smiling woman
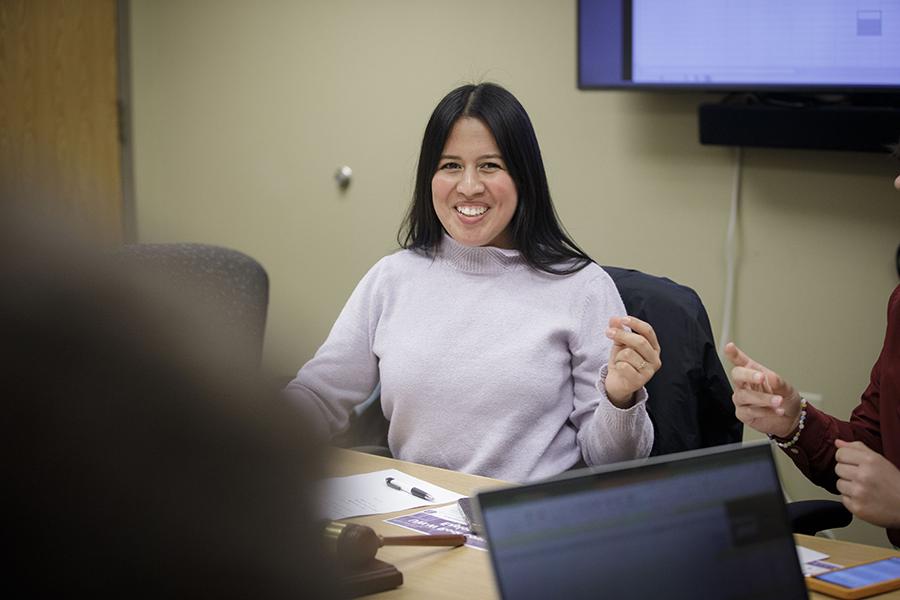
486, 332
488, 119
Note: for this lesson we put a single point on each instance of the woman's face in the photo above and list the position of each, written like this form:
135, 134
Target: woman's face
473, 195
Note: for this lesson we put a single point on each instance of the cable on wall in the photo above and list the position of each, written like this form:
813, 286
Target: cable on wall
731, 254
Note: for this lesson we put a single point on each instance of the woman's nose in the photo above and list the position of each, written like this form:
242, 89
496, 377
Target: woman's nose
470, 184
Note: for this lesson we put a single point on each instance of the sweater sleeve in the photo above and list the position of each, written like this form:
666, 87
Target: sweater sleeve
344, 371
606, 433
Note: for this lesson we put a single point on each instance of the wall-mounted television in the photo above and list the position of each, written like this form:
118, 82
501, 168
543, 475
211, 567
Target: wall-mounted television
820, 74
812, 46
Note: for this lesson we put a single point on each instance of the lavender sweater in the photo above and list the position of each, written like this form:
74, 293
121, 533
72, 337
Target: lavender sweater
487, 366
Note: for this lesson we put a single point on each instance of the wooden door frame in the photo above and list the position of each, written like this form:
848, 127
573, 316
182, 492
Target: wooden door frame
125, 118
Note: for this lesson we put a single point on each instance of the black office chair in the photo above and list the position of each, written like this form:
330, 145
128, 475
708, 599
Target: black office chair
813, 516
368, 430
690, 396
228, 284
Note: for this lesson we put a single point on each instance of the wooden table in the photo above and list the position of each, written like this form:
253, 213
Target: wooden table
466, 572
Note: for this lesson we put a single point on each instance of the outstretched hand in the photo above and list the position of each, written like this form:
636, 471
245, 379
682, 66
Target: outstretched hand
762, 399
869, 484
633, 360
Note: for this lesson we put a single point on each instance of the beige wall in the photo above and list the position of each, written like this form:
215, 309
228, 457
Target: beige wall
243, 111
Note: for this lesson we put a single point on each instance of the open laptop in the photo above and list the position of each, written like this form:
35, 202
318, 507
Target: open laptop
702, 524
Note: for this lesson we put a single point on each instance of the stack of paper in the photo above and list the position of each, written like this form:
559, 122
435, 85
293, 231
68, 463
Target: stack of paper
368, 494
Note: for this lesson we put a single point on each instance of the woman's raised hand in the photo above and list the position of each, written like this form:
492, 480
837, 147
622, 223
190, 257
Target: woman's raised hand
762, 399
633, 360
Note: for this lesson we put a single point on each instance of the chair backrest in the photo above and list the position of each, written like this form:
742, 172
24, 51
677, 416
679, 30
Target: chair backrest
690, 396
227, 282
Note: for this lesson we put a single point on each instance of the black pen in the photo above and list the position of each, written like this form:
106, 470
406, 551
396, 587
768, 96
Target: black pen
414, 491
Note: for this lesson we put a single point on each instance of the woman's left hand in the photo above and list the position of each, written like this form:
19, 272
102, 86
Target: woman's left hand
633, 360
869, 484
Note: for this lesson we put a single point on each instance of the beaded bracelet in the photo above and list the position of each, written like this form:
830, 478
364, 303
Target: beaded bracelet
796, 436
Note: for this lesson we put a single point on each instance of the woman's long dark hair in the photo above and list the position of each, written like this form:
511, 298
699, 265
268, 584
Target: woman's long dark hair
535, 227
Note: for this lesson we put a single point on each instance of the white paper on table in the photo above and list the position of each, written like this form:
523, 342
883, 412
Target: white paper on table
812, 562
368, 494
807, 555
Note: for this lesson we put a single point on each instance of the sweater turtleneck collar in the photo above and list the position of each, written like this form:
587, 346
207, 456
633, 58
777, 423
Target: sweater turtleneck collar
479, 259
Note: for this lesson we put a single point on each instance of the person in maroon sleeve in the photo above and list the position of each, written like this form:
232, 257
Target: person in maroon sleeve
859, 459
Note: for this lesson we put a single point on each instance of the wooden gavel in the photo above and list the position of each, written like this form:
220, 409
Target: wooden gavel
355, 545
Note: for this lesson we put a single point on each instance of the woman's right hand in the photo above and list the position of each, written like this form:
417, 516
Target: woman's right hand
762, 399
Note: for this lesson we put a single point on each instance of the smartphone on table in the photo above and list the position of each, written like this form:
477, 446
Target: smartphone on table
860, 581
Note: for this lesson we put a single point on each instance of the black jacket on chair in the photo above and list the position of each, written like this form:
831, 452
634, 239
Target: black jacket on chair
690, 396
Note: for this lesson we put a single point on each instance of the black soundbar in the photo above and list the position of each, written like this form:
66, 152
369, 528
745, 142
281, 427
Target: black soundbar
858, 128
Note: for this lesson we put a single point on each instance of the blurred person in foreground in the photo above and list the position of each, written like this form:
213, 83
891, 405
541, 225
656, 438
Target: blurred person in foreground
858, 459
139, 458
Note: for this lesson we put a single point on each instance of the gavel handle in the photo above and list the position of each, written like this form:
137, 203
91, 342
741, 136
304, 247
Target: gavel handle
424, 540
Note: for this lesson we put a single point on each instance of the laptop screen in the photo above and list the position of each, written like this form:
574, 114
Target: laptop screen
703, 524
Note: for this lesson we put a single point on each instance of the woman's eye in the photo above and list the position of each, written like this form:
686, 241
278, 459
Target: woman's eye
490, 166
449, 166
